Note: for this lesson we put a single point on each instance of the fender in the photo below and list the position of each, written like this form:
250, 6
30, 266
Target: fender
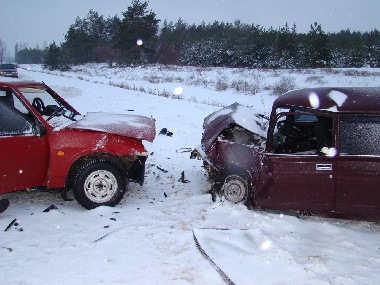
68, 146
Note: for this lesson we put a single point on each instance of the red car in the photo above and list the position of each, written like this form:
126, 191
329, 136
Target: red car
45, 143
318, 153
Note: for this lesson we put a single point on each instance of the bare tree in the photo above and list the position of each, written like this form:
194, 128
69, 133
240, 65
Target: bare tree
3, 49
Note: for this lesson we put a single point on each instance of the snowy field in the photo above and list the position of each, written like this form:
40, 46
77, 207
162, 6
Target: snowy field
149, 237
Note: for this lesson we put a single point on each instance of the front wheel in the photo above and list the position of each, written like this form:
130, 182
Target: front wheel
235, 189
99, 183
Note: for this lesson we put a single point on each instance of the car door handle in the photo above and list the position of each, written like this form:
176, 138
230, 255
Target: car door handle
324, 167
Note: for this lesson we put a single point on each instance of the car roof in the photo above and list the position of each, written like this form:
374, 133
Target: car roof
333, 99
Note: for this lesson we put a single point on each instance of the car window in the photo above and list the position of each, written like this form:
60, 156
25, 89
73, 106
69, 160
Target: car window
7, 66
359, 136
47, 104
12, 122
302, 116
303, 134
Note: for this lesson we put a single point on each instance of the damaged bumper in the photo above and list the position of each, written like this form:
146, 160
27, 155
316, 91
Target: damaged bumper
200, 154
231, 149
135, 168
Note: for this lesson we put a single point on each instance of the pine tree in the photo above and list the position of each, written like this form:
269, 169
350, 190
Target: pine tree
136, 34
316, 48
55, 58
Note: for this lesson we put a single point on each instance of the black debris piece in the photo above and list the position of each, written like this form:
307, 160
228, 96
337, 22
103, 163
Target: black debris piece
51, 207
163, 170
4, 204
166, 132
163, 131
182, 179
166, 195
10, 224
7, 248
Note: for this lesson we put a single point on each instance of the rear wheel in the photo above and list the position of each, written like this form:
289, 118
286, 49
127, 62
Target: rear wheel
99, 183
235, 188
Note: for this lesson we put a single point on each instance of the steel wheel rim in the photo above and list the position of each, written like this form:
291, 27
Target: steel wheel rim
100, 186
234, 189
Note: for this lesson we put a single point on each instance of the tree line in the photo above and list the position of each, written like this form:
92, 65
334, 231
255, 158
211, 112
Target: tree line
137, 39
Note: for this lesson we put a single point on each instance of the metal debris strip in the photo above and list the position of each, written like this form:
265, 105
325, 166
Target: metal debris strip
182, 179
10, 224
52, 207
208, 258
184, 149
102, 237
163, 170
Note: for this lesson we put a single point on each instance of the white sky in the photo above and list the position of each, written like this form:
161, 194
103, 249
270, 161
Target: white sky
43, 21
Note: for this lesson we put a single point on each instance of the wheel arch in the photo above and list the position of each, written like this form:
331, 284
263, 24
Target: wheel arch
243, 173
102, 157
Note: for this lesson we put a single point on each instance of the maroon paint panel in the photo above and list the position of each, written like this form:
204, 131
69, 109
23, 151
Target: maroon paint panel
333, 169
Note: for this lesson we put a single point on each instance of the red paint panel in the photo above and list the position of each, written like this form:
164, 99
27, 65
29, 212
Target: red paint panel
24, 162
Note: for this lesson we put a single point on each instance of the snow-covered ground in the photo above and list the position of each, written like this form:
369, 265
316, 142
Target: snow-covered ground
149, 237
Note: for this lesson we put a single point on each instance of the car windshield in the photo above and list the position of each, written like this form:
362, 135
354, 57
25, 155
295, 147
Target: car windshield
52, 109
7, 66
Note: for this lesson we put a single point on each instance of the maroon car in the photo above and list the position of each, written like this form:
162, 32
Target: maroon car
46, 144
318, 153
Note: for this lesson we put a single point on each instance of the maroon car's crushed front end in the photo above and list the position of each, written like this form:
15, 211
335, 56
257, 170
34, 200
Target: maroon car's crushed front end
233, 140
321, 155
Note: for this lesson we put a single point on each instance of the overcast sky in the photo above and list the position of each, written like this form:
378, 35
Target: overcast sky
39, 22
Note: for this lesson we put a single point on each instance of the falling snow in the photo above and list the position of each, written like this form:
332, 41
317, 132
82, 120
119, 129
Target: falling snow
148, 238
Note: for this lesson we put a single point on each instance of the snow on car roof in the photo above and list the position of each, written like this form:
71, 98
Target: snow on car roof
333, 99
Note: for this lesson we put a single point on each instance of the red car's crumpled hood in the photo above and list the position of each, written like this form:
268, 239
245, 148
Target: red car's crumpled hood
135, 126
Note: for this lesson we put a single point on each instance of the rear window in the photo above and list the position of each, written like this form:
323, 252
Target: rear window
305, 117
359, 136
7, 66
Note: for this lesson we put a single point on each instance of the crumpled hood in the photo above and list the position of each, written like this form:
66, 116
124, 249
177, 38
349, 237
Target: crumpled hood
238, 114
134, 126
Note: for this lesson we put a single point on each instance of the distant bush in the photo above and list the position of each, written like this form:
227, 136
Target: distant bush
315, 79
221, 85
285, 84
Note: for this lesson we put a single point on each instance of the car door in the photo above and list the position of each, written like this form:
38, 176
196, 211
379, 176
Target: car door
298, 176
358, 166
300, 182
24, 153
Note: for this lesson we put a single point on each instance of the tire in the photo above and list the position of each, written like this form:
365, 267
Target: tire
99, 183
235, 189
